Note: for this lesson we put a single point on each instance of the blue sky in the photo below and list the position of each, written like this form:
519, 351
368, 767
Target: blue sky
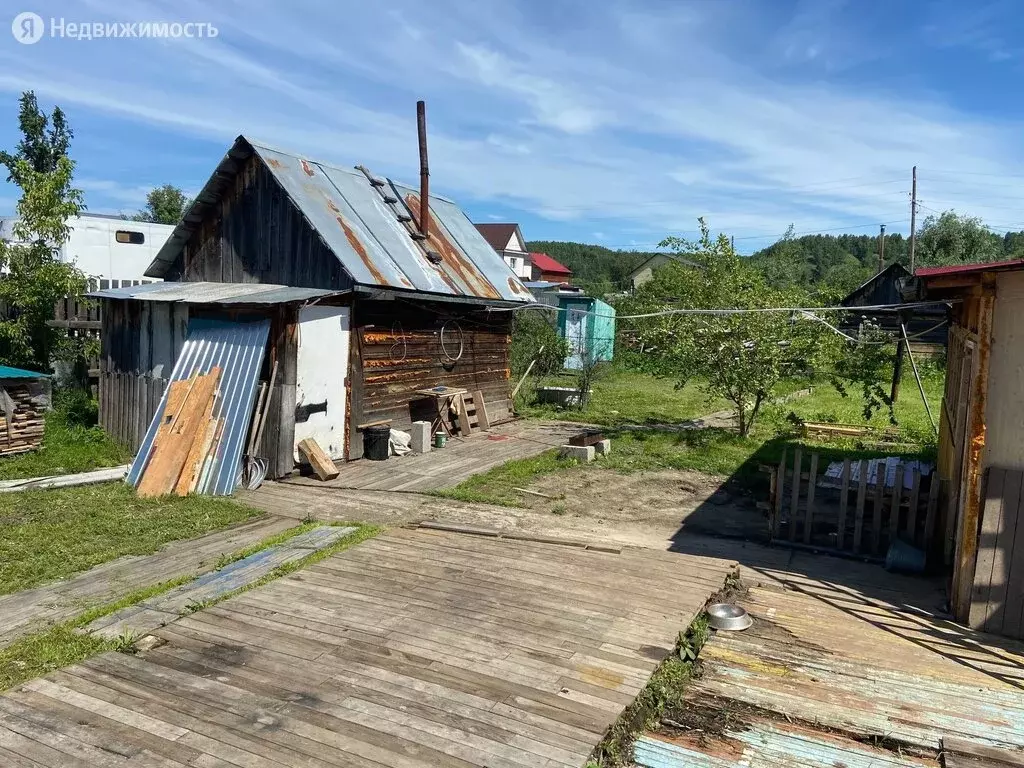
609, 122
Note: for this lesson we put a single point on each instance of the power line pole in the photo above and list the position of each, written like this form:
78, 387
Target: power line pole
881, 249
913, 217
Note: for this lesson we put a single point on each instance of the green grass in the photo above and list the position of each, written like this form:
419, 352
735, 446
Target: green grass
66, 449
717, 451
52, 534
61, 645
624, 397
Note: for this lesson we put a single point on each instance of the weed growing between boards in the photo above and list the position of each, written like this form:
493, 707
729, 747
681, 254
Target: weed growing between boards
663, 692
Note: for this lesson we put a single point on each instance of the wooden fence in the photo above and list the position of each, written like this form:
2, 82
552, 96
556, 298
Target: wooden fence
848, 513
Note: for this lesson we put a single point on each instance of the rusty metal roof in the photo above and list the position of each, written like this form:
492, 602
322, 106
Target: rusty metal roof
364, 221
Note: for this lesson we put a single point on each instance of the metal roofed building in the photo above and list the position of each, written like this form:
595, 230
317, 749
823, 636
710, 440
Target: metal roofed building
364, 308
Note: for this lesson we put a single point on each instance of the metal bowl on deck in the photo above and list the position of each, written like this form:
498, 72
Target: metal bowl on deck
728, 617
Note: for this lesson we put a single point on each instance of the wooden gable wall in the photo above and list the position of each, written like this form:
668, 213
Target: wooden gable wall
255, 234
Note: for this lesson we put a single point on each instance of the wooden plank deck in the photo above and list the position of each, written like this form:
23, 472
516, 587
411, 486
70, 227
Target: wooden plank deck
844, 657
417, 648
446, 467
34, 609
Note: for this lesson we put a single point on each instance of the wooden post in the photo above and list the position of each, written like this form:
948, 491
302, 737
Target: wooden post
795, 498
894, 511
844, 499
809, 516
862, 492
876, 511
932, 509
780, 495
897, 372
915, 499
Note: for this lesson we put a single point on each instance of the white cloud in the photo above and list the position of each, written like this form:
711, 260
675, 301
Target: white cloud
632, 119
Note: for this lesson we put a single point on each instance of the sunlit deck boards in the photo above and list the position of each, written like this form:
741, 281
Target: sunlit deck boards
443, 468
845, 664
417, 648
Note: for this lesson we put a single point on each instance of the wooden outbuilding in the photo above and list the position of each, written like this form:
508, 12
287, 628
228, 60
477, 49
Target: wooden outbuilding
362, 311
24, 400
981, 439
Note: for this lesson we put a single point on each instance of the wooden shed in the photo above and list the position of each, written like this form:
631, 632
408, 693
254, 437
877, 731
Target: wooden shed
24, 400
981, 440
364, 308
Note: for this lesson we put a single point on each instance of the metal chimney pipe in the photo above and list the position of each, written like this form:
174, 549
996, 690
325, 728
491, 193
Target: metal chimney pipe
421, 127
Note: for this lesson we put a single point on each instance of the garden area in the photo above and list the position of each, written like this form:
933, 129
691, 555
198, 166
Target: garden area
710, 379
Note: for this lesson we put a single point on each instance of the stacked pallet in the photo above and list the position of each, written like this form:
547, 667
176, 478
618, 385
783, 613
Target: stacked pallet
22, 425
186, 439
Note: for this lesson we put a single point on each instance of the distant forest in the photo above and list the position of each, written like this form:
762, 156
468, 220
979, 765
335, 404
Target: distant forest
827, 264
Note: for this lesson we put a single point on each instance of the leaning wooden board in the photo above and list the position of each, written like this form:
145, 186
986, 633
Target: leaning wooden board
181, 427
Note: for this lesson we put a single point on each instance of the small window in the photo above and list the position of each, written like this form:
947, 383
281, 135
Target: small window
130, 237
512, 262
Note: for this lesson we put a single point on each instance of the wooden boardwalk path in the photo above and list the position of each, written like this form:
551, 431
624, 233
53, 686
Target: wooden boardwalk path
34, 609
446, 467
417, 648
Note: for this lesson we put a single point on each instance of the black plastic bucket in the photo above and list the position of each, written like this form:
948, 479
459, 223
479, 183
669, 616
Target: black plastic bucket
375, 442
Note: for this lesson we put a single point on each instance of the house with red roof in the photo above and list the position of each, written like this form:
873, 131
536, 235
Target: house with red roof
546, 269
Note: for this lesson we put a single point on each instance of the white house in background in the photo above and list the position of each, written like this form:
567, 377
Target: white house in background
112, 251
508, 241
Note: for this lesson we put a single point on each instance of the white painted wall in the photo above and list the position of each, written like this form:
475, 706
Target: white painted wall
93, 247
321, 370
1004, 416
519, 263
515, 244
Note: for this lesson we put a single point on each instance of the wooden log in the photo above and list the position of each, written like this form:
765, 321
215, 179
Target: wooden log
844, 499
858, 521
321, 463
809, 516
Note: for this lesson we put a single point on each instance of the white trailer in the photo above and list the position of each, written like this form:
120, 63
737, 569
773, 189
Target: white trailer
113, 252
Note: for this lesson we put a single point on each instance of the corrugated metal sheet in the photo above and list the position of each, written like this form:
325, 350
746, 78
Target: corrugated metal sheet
363, 231
768, 746
6, 372
237, 348
213, 293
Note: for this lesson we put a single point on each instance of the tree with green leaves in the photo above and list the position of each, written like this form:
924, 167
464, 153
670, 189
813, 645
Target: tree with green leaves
34, 278
741, 357
953, 238
164, 205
